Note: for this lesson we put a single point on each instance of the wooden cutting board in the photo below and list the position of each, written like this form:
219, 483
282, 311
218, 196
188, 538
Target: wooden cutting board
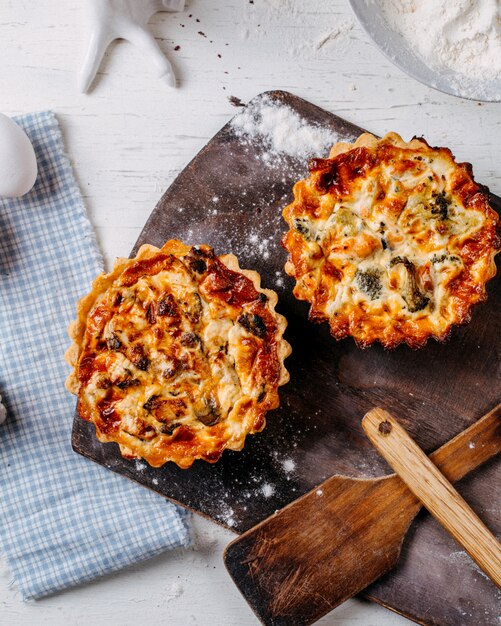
231, 198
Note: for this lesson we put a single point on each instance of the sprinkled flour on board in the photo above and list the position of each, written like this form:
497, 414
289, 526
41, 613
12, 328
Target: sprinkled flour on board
282, 130
288, 465
459, 35
227, 515
461, 558
260, 245
268, 490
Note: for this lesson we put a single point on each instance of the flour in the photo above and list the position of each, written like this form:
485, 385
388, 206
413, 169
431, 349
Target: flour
288, 466
461, 558
175, 590
267, 490
331, 36
282, 131
270, 22
260, 244
227, 515
459, 35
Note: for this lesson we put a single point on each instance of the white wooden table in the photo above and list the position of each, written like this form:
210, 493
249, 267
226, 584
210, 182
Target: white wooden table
130, 137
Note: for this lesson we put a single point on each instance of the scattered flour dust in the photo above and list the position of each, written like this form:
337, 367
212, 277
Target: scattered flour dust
288, 465
227, 516
274, 20
335, 33
459, 35
140, 466
268, 490
282, 130
279, 279
260, 244
176, 590
461, 558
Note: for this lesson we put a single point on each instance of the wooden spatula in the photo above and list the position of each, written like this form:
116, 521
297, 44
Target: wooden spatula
426, 482
325, 547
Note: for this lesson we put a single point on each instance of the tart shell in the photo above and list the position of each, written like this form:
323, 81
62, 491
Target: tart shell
177, 354
390, 241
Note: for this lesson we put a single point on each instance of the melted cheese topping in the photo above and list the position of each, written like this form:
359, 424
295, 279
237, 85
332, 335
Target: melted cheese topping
390, 241
180, 355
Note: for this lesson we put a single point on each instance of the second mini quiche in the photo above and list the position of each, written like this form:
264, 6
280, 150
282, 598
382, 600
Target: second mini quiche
390, 241
178, 354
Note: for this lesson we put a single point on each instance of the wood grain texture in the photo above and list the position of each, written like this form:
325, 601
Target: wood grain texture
316, 434
434, 490
322, 549
298, 564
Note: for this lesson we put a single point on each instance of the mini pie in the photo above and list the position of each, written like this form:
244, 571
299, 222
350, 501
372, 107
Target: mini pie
177, 354
390, 241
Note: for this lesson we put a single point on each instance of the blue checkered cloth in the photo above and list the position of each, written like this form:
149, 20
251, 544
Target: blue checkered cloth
63, 520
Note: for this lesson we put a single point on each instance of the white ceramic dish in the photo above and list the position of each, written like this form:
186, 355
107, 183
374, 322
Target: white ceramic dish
398, 51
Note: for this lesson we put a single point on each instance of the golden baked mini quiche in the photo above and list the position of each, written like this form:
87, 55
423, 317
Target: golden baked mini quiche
177, 355
390, 241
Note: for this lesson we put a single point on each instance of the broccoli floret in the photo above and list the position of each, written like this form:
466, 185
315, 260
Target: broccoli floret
440, 205
369, 282
304, 227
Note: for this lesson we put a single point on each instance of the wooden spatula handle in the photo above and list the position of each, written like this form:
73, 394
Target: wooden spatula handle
471, 447
436, 493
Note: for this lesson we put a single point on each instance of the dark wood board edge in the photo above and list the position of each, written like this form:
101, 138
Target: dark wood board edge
79, 447
412, 618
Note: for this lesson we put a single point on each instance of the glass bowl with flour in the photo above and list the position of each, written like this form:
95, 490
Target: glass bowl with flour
453, 46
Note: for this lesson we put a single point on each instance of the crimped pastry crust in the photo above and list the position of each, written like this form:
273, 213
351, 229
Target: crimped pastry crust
390, 241
177, 355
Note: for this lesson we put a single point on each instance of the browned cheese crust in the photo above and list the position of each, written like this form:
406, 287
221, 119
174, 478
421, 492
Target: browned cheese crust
177, 355
390, 241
